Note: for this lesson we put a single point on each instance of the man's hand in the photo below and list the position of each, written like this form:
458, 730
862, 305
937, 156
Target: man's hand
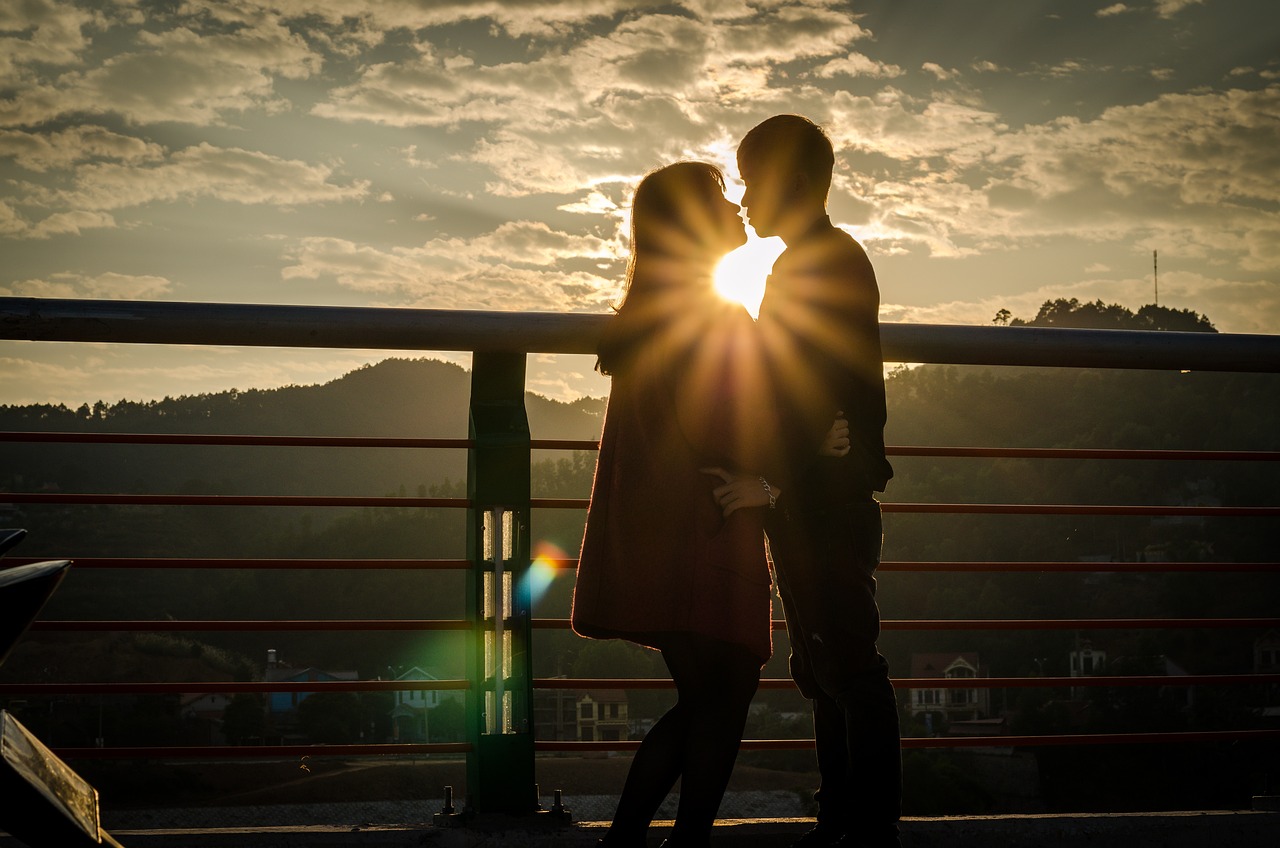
740, 491
836, 442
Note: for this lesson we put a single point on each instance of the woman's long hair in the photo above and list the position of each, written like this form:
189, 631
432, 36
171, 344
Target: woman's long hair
676, 238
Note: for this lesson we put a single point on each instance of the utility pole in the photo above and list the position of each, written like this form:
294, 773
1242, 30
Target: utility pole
1155, 273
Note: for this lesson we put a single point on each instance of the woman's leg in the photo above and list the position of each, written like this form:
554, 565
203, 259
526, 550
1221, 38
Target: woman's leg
653, 772
716, 682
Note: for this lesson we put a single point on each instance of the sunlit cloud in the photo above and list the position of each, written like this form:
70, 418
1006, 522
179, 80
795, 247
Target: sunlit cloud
229, 174
1233, 306
857, 65
1169, 8
42, 152
1113, 10
107, 286
179, 74
40, 31
513, 267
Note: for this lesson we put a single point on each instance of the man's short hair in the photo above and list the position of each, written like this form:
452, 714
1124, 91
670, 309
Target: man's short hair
791, 144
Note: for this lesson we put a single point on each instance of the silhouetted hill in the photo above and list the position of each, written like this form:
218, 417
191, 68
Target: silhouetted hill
396, 397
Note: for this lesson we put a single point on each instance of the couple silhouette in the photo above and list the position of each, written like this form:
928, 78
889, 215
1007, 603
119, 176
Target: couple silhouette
721, 431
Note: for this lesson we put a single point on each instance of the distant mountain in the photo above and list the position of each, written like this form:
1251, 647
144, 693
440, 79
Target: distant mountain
397, 397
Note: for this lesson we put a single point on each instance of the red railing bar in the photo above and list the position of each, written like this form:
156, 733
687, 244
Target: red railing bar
1022, 624
586, 683
82, 563
961, 741
255, 751
374, 624
621, 683
237, 440
1084, 509
1086, 453
148, 626
594, 444
1076, 624
1049, 567
265, 751
213, 687
1007, 453
1017, 509
230, 500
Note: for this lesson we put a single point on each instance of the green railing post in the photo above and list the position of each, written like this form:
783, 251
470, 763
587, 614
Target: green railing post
500, 768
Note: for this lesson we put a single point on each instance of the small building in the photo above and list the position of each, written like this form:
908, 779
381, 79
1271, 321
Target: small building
950, 703
555, 714
283, 706
409, 713
1086, 661
1266, 660
602, 715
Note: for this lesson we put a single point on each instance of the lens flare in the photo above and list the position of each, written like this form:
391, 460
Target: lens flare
547, 561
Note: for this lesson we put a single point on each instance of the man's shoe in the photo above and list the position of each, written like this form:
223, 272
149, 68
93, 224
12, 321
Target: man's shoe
820, 836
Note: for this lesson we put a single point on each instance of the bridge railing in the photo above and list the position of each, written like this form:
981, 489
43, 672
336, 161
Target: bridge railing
499, 684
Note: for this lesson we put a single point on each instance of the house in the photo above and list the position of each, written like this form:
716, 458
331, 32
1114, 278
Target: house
1086, 661
409, 713
555, 714
602, 715
949, 704
282, 707
1266, 660
202, 714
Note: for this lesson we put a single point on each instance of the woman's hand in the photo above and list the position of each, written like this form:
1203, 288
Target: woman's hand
741, 491
836, 442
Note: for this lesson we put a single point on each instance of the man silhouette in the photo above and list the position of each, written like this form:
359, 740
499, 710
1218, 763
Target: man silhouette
820, 330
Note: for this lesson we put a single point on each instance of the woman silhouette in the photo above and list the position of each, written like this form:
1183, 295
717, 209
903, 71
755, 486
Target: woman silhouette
661, 565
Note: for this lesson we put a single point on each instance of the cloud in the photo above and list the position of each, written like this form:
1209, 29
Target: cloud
109, 285
939, 72
192, 73
39, 32
1234, 306
1113, 10
857, 65
229, 174
601, 107
519, 265
58, 150
537, 18
1199, 170
69, 223
1169, 8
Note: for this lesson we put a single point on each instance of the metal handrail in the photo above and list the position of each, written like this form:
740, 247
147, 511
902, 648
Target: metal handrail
378, 328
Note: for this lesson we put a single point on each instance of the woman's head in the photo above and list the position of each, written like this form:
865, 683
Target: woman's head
681, 226
681, 219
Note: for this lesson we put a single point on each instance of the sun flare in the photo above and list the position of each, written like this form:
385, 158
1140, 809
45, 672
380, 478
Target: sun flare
740, 275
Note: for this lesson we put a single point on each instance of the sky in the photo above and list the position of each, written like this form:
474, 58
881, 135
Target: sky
475, 154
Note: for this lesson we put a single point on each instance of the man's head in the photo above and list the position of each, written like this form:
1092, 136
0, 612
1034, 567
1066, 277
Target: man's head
786, 163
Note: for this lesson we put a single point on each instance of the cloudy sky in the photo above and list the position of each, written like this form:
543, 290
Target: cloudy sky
475, 154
